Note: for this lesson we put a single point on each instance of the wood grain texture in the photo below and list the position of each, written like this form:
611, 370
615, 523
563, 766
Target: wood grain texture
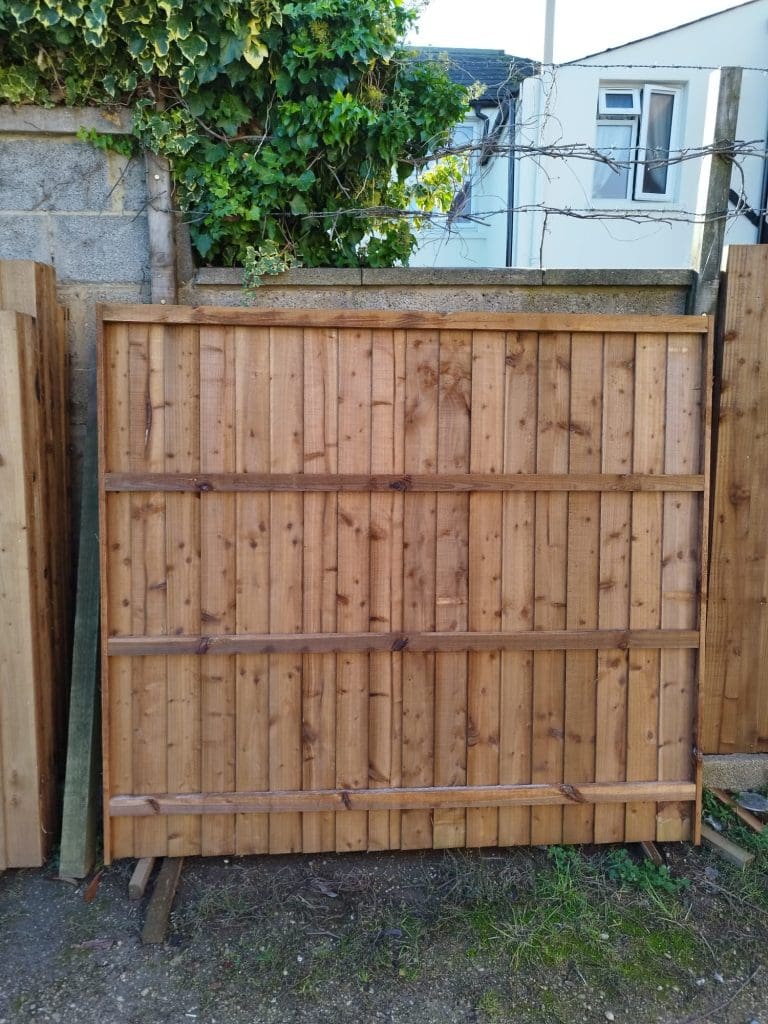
411, 617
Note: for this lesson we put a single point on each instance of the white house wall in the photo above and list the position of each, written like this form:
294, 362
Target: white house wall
481, 242
559, 108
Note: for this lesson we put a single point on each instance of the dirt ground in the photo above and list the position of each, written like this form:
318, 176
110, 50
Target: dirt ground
523, 936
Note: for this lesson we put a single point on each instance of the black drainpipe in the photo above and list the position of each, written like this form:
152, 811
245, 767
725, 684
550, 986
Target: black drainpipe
511, 117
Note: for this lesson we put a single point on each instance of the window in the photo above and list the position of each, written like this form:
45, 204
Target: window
461, 207
636, 130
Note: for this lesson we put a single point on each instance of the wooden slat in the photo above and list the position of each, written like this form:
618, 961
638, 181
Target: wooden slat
517, 590
350, 802
422, 368
182, 554
320, 580
285, 575
20, 657
252, 452
148, 578
451, 581
117, 715
400, 320
217, 577
645, 586
485, 550
550, 578
679, 577
385, 435
354, 520
613, 604
416, 482
454, 640
583, 572
397, 590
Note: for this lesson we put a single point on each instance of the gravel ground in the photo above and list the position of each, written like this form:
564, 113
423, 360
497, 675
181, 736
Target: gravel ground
526, 936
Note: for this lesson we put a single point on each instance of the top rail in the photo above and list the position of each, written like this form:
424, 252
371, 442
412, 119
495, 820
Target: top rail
353, 318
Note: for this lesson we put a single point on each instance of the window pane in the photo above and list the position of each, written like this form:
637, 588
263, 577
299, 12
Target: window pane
619, 101
615, 142
461, 206
658, 138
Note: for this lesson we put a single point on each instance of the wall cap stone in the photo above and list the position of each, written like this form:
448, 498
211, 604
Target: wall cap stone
28, 118
232, 277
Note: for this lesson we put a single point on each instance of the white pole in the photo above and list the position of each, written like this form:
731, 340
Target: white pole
549, 32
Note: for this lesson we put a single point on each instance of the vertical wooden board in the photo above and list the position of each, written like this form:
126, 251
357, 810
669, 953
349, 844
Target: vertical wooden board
485, 563
217, 581
613, 610
252, 455
583, 578
182, 553
422, 365
452, 581
148, 580
354, 519
645, 586
19, 660
517, 592
679, 578
396, 573
383, 459
117, 724
734, 704
286, 582
320, 581
551, 552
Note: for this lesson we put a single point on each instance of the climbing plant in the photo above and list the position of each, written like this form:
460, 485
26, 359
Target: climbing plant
295, 132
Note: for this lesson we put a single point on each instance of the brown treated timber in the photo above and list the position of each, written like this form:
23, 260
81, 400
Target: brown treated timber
319, 643
416, 482
555, 794
352, 318
159, 911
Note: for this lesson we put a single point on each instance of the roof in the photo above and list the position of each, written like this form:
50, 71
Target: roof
498, 71
664, 32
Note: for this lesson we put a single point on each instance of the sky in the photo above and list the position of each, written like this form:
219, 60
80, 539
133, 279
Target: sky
581, 26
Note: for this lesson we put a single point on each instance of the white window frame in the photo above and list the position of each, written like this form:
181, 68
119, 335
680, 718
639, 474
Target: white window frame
669, 192
604, 110
637, 116
630, 122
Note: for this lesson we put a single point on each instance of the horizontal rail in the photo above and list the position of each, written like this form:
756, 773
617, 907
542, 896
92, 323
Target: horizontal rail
401, 799
222, 316
328, 643
417, 482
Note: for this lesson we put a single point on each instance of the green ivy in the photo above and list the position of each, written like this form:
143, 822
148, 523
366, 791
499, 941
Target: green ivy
295, 132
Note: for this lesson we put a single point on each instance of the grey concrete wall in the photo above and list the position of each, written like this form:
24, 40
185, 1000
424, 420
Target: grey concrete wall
66, 203
69, 204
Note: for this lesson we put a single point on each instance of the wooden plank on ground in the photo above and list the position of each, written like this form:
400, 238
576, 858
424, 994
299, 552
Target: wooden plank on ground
159, 910
77, 851
729, 851
139, 879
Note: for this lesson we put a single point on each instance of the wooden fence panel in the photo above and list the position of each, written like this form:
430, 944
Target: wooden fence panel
734, 698
389, 581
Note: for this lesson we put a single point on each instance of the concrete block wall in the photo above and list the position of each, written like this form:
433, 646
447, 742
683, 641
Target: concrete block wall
66, 203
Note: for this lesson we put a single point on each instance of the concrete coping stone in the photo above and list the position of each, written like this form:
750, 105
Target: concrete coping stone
229, 277
31, 119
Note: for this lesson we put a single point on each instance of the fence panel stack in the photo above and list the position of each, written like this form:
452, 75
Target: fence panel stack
35, 557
